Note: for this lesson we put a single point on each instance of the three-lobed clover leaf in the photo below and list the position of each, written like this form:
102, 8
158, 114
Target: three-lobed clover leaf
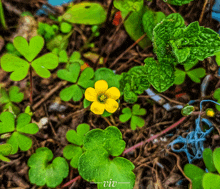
23, 126
133, 115
19, 67
202, 179
95, 164
194, 75
159, 74
42, 172
5, 150
71, 74
13, 96
73, 152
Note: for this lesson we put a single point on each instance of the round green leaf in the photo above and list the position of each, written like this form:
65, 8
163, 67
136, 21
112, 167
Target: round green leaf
86, 13
211, 181
31, 50
16, 65
136, 121
5, 149
7, 123
15, 95
84, 79
179, 76
82, 129
216, 94
13, 142
72, 137
196, 74
124, 117
216, 157
208, 160
65, 27
71, 92
24, 142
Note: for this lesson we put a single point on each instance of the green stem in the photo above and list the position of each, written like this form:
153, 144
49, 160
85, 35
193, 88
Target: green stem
2, 18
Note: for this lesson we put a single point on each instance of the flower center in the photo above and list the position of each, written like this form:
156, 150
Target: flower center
102, 98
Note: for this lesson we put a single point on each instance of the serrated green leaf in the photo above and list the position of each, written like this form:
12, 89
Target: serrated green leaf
210, 181
41, 173
71, 74
7, 123
16, 65
128, 5
31, 50
136, 121
195, 174
177, 2
45, 62
196, 74
86, 13
15, 95
150, 20
208, 160
179, 76
160, 75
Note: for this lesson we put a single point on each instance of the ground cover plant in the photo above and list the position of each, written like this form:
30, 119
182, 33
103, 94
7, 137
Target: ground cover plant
108, 94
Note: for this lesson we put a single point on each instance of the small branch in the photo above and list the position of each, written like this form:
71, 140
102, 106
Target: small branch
31, 86
155, 136
129, 48
203, 10
70, 182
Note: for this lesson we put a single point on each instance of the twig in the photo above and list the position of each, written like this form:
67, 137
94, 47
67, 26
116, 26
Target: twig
203, 10
51, 126
31, 87
70, 182
59, 85
155, 136
129, 48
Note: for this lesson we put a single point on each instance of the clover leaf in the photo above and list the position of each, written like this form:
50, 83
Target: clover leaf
41, 172
95, 164
160, 75
73, 152
13, 96
19, 67
133, 115
23, 126
5, 150
194, 75
71, 74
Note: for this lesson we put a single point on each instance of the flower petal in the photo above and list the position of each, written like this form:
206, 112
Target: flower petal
113, 93
101, 86
90, 94
97, 108
111, 105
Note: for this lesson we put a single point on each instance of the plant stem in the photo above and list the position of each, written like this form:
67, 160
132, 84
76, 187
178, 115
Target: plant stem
31, 87
2, 18
155, 136
71, 181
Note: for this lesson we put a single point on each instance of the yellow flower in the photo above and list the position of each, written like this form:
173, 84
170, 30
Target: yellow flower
210, 112
102, 97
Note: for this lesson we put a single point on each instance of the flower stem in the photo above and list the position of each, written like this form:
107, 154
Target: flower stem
31, 86
155, 136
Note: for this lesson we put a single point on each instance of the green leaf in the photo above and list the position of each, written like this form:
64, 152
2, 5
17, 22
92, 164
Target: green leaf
218, 106
18, 140
134, 28
63, 56
5, 149
136, 110
73, 92
160, 75
128, 5
179, 76
45, 62
31, 50
11, 107
217, 58
65, 27
216, 157
41, 173
4, 98
136, 121
86, 103
208, 160
70, 74
18, 66
177, 2
85, 78
85, 13
75, 57
15, 95
150, 20
210, 181
126, 115
72, 153
7, 123
187, 110
201, 42
95, 164
107, 75
82, 129
216, 94
195, 174
196, 74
